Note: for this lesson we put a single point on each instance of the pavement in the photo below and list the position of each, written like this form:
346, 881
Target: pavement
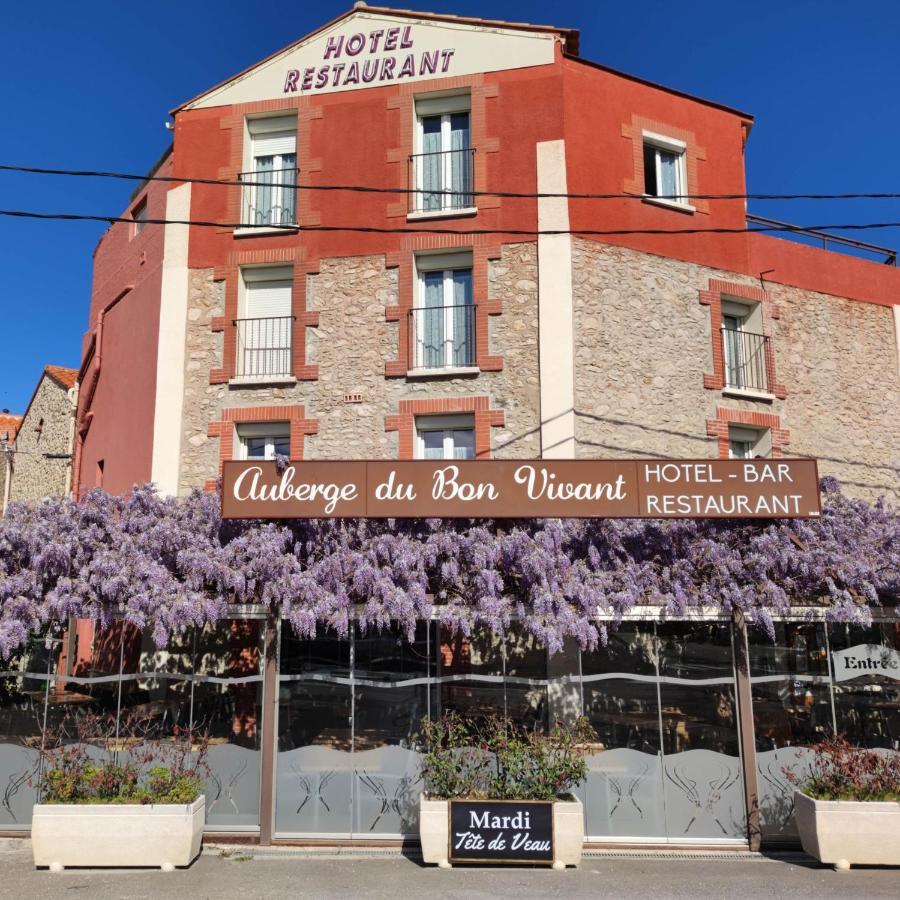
248, 873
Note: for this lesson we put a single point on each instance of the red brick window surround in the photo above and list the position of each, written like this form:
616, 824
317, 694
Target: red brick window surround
482, 250
718, 428
303, 318
226, 428
485, 419
719, 291
694, 154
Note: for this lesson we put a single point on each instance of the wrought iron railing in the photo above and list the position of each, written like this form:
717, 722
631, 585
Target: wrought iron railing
442, 181
442, 337
269, 197
264, 347
745, 359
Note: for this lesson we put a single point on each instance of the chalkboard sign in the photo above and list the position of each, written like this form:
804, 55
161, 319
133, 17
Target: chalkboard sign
501, 831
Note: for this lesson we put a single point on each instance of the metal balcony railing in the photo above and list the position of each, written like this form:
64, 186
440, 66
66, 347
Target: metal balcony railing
442, 337
745, 359
442, 181
264, 347
269, 197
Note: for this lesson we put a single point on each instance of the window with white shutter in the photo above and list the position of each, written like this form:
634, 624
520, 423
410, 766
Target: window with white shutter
265, 328
270, 183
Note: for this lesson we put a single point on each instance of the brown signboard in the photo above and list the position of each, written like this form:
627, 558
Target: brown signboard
504, 489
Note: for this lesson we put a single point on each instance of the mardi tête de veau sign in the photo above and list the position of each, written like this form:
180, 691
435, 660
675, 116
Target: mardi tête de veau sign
504, 831
503, 489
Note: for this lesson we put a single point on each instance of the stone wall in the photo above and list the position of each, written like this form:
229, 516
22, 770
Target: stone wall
643, 345
351, 345
46, 429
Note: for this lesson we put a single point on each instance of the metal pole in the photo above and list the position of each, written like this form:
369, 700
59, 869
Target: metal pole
268, 736
746, 733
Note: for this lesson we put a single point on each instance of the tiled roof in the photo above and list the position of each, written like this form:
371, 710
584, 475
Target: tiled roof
8, 425
61, 375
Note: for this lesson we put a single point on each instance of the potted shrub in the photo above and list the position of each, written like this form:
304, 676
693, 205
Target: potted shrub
119, 796
494, 792
847, 806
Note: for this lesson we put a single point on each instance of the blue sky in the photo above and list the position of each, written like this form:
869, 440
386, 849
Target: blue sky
88, 85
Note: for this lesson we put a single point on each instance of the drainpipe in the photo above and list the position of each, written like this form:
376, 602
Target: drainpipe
7, 466
70, 449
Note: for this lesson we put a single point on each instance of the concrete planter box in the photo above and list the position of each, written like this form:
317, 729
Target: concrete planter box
158, 835
849, 832
568, 832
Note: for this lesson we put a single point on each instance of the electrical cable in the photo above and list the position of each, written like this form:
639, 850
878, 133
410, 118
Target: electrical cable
521, 232
88, 173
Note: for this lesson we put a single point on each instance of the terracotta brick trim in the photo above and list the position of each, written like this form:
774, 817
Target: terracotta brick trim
485, 419
483, 250
634, 132
712, 297
225, 430
303, 318
718, 428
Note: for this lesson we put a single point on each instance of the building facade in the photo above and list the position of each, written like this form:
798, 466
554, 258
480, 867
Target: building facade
472, 302
40, 461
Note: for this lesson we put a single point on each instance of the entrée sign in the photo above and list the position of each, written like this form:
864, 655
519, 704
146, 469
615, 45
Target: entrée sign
504, 489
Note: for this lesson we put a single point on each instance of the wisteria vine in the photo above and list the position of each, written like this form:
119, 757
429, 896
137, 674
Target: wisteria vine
166, 564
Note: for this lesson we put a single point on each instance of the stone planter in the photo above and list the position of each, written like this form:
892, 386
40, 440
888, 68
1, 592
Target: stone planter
848, 832
160, 835
568, 831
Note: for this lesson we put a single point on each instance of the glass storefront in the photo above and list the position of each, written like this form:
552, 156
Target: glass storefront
804, 690
665, 767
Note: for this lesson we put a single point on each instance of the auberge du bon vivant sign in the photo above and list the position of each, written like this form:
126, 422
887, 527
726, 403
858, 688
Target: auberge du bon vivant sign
498, 489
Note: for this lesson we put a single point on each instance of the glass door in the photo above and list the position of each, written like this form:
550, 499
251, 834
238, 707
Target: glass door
314, 763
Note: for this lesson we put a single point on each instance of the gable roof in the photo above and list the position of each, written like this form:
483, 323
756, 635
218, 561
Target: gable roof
9, 424
569, 36
62, 376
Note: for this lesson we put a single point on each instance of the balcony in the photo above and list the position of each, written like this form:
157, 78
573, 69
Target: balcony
442, 338
264, 349
745, 360
442, 183
269, 198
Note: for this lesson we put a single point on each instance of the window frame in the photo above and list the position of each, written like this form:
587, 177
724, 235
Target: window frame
758, 440
255, 127
270, 431
449, 425
445, 107
139, 217
661, 143
446, 263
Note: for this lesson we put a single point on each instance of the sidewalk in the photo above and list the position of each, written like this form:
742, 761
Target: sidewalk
249, 873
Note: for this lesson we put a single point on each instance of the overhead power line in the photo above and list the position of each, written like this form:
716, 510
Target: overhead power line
523, 232
365, 189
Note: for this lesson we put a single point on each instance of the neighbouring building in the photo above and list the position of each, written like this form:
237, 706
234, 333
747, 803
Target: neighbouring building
40, 462
8, 424
281, 330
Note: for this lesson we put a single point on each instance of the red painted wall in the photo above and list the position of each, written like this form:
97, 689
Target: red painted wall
120, 392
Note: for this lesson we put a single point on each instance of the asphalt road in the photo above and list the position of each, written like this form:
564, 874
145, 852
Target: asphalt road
247, 874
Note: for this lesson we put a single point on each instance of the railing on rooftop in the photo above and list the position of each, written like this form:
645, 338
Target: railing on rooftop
889, 256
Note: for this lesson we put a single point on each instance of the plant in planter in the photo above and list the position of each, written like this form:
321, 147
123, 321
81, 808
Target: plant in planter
848, 805
118, 794
470, 768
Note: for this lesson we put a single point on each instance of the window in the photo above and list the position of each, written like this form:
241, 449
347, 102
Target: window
445, 437
264, 441
139, 215
443, 330
665, 174
265, 327
748, 443
744, 347
270, 181
442, 166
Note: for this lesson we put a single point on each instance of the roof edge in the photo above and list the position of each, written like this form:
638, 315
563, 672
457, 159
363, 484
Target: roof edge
571, 37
